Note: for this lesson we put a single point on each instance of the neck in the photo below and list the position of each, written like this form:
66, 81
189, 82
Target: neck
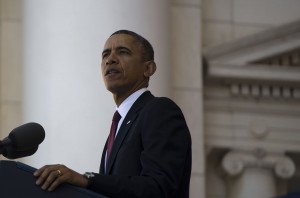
119, 98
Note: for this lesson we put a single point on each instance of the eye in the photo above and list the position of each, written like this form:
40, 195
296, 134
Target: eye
124, 52
104, 55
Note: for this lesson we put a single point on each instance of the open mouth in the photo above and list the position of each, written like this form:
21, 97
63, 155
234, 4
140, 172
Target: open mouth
111, 71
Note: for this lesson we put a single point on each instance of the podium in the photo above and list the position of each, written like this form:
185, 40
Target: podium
17, 181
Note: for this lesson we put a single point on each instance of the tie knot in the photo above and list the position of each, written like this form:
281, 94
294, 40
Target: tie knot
116, 117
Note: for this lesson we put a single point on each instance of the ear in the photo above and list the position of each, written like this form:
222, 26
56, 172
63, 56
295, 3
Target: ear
150, 68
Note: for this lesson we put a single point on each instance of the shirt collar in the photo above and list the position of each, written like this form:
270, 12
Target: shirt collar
128, 102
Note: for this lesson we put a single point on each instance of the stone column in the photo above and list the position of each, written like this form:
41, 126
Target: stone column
10, 61
187, 87
63, 88
254, 174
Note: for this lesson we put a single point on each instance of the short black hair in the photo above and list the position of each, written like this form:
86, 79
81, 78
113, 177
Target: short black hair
148, 49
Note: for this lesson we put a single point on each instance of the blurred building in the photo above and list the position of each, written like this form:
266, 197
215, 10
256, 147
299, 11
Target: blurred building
231, 65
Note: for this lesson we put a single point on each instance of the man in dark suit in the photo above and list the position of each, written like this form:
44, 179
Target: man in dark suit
151, 151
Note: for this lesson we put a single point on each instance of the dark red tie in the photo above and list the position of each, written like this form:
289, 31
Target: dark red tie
113, 129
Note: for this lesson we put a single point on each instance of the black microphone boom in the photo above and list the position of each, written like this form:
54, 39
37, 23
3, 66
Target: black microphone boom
22, 141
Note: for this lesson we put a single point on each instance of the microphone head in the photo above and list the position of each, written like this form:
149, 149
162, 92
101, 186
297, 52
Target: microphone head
27, 137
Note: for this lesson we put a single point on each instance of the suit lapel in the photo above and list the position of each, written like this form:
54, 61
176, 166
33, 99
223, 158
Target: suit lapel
102, 164
124, 129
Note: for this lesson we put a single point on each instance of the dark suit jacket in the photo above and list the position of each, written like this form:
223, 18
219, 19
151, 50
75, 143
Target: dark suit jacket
151, 155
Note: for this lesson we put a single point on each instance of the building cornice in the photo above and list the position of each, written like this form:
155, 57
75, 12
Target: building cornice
275, 40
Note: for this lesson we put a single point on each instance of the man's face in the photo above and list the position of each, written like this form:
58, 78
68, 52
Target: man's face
123, 65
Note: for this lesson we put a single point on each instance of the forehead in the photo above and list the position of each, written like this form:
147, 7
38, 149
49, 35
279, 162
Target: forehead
121, 40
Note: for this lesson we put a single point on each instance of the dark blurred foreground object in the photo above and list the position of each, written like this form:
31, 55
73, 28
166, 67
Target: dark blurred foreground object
291, 195
17, 180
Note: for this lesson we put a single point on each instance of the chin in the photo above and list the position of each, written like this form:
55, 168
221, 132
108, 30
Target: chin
112, 89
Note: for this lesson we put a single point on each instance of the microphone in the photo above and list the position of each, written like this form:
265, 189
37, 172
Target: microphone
22, 141
13, 154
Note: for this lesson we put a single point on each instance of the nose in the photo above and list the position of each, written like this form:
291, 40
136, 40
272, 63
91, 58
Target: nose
111, 59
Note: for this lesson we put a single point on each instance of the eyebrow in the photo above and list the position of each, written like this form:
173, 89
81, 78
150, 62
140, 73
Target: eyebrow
118, 48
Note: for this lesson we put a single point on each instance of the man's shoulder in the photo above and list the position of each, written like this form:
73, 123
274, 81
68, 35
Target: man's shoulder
147, 102
150, 100
161, 104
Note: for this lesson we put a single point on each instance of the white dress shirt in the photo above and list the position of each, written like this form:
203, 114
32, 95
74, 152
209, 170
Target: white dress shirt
126, 105
124, 108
